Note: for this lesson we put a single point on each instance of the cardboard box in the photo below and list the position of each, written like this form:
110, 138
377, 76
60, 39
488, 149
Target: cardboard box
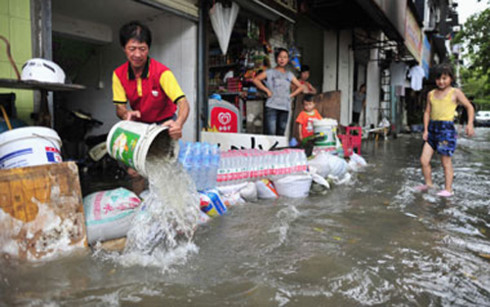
41, 212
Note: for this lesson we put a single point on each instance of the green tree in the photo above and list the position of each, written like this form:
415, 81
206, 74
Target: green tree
475, 39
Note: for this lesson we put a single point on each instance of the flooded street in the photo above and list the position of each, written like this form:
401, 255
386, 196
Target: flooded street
372, 242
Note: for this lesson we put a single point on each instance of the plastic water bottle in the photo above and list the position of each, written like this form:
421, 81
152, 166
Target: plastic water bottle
186, 157
222, 169
213, 166
205, 175
303, 161
196, 164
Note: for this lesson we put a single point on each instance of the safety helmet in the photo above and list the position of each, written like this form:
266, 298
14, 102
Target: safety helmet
42, 70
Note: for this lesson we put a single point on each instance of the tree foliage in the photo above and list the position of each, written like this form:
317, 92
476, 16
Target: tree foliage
475, 76
476, 37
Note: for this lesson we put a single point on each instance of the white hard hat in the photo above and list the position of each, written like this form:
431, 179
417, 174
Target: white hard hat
42, 70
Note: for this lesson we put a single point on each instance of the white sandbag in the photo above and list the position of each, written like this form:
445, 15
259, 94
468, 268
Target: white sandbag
356, 162
266, 189
337, 166
326, 164
108, 214
352, 166
294, 186
320, 164
232, 199
249, 192
231, 189
340, 180
320, 180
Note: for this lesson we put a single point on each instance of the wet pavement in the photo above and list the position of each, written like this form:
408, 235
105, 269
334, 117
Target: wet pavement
372, 242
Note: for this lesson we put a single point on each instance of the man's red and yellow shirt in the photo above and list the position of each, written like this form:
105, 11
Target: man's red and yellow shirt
155, 94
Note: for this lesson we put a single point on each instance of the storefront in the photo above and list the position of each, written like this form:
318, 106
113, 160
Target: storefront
234, 104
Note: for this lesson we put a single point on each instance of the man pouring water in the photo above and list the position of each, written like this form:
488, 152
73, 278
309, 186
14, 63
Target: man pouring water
153, 93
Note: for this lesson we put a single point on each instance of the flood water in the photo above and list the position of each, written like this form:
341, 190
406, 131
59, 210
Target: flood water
372, 242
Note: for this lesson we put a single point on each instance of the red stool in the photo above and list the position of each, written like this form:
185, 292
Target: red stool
355, 136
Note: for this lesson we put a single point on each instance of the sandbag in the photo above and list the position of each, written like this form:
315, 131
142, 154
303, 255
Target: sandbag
337, 166
231, 189
356, 162
294, 186
249, 192
108, 214
232, 199
326, 165
320, 164
266, 189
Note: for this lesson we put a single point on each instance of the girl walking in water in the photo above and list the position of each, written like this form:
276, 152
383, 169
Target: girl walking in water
439, 131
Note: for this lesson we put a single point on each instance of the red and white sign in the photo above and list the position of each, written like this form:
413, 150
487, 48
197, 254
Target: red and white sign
224, 120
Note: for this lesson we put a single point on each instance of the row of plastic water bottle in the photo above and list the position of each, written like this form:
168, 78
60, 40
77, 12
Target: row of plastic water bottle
238, 166
201, 161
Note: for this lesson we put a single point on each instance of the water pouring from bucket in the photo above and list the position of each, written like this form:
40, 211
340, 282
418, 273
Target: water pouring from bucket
170, 211
130, 142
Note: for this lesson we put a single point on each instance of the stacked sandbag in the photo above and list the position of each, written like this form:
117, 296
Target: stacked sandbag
108, 214
356, 162
327, 165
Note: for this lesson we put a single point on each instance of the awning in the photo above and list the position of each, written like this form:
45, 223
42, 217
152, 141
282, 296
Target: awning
365, 14
268, 9
184, 8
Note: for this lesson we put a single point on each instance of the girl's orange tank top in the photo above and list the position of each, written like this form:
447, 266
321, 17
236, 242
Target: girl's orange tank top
442, 109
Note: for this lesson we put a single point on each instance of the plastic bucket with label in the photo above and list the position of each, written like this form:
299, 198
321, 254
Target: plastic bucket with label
130, 142
325, 132
29, 146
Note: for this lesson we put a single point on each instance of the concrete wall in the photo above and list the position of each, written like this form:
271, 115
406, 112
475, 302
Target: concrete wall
339, 76
174, 44
329, 61
372, 89
15, 25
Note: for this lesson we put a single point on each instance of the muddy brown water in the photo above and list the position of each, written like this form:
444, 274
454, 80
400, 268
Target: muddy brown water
372, 242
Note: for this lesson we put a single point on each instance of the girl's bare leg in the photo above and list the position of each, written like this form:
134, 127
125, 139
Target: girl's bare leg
425, 158
447, 164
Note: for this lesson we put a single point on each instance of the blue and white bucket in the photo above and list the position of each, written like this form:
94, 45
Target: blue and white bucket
29, 146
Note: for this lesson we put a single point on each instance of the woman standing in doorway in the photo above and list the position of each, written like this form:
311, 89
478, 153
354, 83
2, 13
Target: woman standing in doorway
278, 84
359, 103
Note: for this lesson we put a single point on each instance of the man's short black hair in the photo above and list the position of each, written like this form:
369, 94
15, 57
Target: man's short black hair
134, 30
305, 68
307, 97
444, 69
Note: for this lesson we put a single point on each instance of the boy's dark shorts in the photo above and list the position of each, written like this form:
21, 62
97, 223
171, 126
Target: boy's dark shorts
442, 137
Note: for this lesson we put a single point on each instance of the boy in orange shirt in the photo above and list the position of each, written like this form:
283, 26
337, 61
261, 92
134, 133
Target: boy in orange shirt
306, 117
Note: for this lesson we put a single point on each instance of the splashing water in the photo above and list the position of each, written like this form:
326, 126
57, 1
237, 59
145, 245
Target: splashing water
161, 234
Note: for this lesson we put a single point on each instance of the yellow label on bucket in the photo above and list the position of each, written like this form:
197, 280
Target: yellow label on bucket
123, 143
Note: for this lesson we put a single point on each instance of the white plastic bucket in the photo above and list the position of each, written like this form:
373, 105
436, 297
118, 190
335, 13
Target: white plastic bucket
294, 186
326, 128
130, 143
29, 146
